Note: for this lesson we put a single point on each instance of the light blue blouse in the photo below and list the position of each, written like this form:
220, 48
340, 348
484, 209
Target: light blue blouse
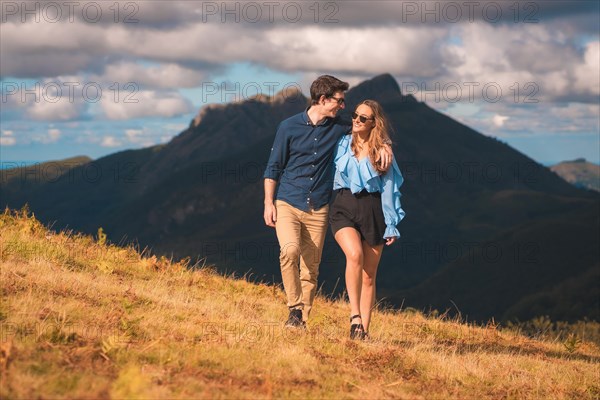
350, 173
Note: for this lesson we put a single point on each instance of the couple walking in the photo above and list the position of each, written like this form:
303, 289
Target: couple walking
313, 154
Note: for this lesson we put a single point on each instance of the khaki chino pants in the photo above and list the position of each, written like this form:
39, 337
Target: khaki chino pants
301, 236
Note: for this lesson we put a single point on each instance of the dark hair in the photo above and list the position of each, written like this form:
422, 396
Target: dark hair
326, 85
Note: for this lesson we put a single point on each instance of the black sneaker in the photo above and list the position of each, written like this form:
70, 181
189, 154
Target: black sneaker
295, 320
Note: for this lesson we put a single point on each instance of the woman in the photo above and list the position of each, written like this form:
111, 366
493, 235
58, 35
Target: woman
366, 208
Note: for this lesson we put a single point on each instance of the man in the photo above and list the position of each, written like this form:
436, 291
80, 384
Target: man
301, 161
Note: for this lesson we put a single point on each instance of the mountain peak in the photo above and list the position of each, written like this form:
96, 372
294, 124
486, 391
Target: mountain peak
381, 88
385, 80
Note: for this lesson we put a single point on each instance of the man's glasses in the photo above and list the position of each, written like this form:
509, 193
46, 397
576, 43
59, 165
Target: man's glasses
339, 100
361, 118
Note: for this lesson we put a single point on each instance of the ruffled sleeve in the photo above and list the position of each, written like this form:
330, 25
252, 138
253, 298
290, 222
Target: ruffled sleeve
341, 160
342, 153
390, 200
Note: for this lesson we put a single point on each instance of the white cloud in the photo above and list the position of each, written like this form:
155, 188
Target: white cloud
62, 110
139, 137
110, 141
7, 141
165, 15
58, 99
176, 127
534, 62
67, 48
58, 49
575, 119
53, 135
498, 120
165, 76
7, 138
354, 47
146, 103
133, 134
587, 74
170, 49
398, 50
577, 112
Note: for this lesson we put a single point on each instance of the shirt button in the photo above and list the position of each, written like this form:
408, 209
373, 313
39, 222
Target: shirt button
313, 165
315, 153
311, 179
315, 138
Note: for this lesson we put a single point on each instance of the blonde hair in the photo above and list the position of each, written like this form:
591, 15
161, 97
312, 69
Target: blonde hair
378, 137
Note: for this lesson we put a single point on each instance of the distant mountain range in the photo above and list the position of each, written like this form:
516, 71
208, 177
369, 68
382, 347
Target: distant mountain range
488, 231
580, 173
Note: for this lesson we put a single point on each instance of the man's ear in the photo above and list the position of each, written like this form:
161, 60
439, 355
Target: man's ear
322, 99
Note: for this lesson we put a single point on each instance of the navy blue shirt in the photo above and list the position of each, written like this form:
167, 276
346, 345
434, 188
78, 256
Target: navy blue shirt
302, 160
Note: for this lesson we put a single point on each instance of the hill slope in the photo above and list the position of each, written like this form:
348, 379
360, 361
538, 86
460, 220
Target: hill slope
19, 179
84, 319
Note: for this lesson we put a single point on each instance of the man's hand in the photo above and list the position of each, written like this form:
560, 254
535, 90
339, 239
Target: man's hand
390, 241
270, 214
385, 157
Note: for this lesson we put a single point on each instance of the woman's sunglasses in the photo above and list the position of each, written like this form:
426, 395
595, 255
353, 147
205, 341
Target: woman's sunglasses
361, 118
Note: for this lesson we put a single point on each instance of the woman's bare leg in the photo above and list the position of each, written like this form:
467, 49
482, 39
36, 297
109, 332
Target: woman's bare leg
349, 240
371, 257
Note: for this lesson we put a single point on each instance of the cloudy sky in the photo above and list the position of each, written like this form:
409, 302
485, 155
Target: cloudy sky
96, 77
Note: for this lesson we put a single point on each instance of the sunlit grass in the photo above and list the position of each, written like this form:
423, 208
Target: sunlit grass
82, 318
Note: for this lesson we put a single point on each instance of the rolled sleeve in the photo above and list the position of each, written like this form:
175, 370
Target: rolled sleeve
279, 155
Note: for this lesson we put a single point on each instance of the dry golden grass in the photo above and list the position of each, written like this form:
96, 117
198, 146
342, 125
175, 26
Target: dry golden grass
83, 319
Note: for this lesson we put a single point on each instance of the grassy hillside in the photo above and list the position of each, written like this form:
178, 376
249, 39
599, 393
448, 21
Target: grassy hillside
82, 318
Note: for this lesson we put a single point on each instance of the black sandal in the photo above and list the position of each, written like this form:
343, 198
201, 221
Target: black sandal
357, 331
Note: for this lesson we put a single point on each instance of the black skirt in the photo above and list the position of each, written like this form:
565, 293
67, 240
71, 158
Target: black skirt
361, 211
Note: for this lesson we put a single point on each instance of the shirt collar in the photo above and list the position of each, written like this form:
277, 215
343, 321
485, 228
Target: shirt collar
325, 121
